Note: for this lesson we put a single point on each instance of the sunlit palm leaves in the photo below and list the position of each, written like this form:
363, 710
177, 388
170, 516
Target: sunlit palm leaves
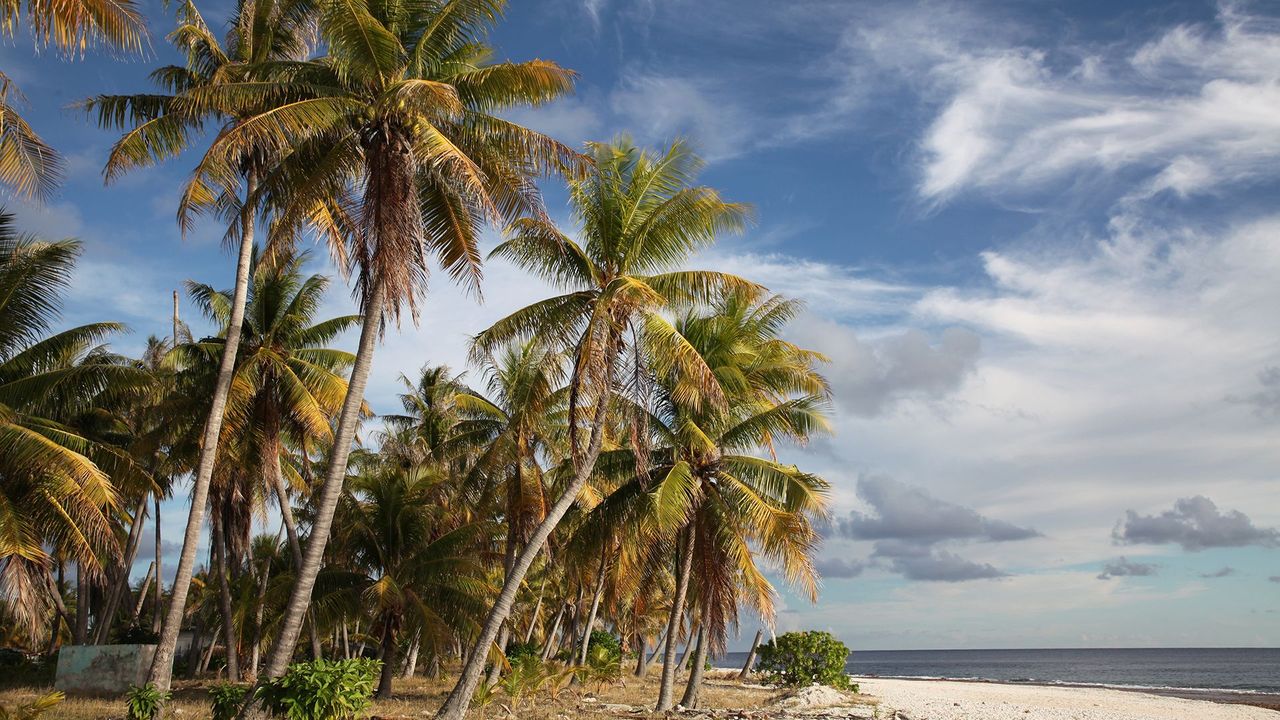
52, 494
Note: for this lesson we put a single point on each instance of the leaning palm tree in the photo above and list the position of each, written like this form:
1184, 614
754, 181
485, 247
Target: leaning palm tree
390, 147
54, 496
160, 126
287, 387
640, 219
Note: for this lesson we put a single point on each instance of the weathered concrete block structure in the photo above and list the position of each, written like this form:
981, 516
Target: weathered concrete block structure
97, 669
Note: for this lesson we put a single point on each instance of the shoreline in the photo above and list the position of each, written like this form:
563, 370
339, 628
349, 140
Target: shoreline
936, 699
1222, 696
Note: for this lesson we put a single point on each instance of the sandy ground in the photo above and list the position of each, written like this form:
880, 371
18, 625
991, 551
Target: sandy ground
943, 700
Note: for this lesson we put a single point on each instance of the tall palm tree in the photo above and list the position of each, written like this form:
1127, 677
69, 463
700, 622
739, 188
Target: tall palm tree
732, 503
160, 127
523, 389
54, 495
390, 147
287, 387
409, 564
640, 219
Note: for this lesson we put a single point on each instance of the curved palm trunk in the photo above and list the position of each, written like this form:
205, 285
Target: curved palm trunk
264, 579
694, 687
751, 656
455, 708
548, 641
229, 635
641, 649
295, 545
161, 673
596, 594
666, 691
159, 604
142, 593
411, 660
495, 670
658, 649
388, 660
120, 584
330, 492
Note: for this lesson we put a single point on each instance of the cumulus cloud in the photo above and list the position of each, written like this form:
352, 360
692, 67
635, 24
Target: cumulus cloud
1125, 568
839, 568
1195, 523
1224, 572
906, 513
921, 562
908, 525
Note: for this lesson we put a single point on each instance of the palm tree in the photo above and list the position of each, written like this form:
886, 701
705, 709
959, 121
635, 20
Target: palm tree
389, 146
523, 391
728, 500
29, 166
287, 386
160, 127
54, 495
640, 218
408, 562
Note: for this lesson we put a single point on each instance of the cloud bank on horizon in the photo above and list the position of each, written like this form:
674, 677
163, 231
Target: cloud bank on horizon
1039, 245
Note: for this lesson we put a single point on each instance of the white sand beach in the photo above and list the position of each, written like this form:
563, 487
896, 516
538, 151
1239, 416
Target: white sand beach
952, 700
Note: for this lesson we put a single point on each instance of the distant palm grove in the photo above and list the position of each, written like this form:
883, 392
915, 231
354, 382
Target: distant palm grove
606, 462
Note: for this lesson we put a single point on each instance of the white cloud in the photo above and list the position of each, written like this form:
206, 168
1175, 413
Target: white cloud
1192, 99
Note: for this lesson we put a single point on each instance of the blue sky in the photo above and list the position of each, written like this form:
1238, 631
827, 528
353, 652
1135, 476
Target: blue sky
1039, 240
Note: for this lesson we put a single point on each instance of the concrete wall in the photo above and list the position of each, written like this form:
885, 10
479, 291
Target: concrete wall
102, 668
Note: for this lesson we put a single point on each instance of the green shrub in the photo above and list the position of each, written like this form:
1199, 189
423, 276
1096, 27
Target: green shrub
322, 690
515, 651
600, 638
33, 709
803, 658
143, 703
225, 700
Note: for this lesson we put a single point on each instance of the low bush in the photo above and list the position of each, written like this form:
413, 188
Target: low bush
795, 659
143, 702
225, 700
322, 690
515, 651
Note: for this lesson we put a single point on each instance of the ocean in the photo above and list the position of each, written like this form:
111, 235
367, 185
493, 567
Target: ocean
1214, 670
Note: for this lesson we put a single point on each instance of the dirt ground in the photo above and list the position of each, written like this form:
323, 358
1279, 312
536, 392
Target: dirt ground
418, 698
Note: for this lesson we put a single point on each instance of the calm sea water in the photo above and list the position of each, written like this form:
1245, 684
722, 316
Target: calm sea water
1241, 670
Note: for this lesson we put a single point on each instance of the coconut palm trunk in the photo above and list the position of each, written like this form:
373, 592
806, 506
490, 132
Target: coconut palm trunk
161, 673
641, 649
411, 659
548, 642
495, 670
455, 708
694, 687
142, 593
751, 656
330, 493
157, 617
596, 594
295, 545
229, 635
666, 691
120, 578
